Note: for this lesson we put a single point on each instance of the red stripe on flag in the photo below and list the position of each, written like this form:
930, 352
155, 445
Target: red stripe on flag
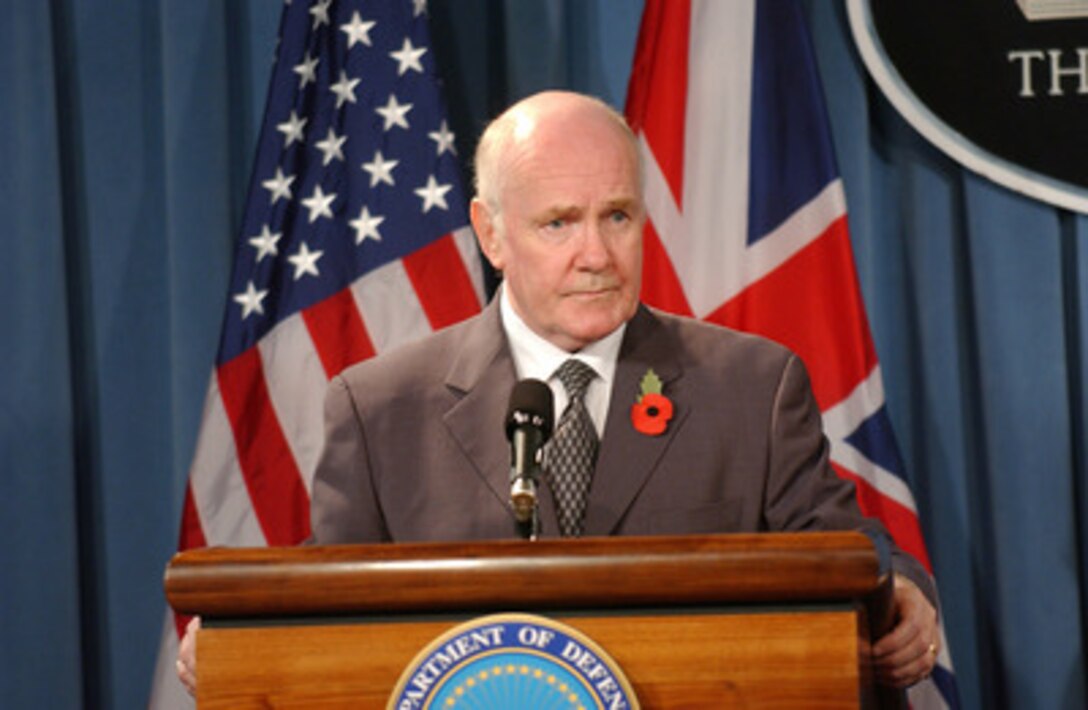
812, 305
192, 536
658, 88
272, 477
192, 532
660, 285
180, 622
901, 522
338, 332
442, 282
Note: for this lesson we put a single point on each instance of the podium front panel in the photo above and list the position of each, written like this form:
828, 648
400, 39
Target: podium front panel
753, 657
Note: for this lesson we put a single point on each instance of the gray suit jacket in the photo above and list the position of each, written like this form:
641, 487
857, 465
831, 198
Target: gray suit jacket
415, 446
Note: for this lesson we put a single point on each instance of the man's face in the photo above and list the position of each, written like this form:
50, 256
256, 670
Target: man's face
569, 234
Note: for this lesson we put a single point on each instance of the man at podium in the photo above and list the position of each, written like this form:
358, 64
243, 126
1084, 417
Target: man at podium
664, 425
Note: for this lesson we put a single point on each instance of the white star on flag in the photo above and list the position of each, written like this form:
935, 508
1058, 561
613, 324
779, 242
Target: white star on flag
357, 30
251, 300
408, 57
305, 261
265, 243
433, 194
344, 89
380, 170
320, 11
292, 129
366, 226
307, 70
394, 113
319, 204
444, 138
419, 7
331, 147
279, 185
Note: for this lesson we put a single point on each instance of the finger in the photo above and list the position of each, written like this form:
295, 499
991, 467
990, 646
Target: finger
905, 676
185, 665
904, 642
905, 654
908, 670
185, 675
916, 622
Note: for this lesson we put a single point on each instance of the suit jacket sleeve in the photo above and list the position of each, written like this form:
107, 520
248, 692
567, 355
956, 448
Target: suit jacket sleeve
345, 508
803, 490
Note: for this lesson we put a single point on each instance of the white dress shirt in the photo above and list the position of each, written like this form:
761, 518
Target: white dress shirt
537, 358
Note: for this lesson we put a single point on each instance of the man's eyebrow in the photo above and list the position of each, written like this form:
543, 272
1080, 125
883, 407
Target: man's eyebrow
625, 202
559, 211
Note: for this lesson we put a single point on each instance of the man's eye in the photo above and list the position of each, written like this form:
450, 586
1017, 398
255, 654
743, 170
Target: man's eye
556, 223
618, 217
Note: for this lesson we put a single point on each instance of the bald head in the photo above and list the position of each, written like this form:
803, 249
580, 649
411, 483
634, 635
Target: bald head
534, 123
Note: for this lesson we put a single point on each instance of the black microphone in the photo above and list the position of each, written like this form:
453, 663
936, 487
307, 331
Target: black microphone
529, 420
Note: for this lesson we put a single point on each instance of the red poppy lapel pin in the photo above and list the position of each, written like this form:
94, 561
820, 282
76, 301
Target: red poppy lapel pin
653, 410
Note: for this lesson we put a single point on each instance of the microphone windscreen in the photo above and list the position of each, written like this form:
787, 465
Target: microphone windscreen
530, 402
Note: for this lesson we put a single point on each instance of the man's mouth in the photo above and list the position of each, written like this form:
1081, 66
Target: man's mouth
592, 292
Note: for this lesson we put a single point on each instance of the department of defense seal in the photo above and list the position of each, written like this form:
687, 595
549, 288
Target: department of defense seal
513, 661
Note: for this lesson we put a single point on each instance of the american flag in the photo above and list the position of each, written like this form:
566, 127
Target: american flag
354, 240
747, 226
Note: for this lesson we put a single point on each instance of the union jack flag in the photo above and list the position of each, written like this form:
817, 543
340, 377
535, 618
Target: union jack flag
354, 240
747, 226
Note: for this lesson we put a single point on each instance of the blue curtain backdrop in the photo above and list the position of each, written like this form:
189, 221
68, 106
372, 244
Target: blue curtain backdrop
126, 136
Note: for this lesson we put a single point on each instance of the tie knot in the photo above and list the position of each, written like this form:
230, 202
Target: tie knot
575, 376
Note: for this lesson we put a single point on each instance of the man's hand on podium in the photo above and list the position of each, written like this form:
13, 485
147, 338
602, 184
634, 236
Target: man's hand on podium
186, 663
906, 654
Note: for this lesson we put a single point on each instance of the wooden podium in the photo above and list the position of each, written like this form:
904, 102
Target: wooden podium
717, 621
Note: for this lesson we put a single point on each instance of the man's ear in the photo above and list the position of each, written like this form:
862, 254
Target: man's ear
487, 234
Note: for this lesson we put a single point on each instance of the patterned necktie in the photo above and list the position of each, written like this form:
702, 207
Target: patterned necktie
572, 452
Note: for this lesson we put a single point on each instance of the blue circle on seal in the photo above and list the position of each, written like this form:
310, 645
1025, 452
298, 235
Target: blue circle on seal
513, 661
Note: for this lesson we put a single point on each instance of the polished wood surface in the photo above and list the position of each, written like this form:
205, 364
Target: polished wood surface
619, 572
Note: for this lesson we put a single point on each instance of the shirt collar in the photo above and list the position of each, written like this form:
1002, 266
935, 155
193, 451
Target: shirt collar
538, 358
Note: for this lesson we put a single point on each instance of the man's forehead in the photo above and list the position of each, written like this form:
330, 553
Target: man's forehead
573, 156
561, 185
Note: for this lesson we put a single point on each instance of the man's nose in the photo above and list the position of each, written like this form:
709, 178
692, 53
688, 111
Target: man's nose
594, 253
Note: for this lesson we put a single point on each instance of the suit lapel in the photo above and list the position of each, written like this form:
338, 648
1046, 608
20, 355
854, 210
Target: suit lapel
627, 457
480, 379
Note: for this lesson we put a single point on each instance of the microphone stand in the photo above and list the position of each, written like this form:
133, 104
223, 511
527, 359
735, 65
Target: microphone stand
528, 426
530, 529
523, 498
